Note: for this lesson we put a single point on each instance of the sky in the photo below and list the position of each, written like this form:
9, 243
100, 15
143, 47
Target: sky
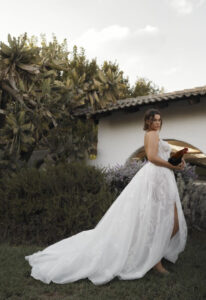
163, 40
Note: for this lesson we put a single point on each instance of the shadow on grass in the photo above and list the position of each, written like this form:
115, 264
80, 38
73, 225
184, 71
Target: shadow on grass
187, 280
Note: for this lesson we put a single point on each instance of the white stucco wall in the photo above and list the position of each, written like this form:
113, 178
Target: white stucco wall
120, 134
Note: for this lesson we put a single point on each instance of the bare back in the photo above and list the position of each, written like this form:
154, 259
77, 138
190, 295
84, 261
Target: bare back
151, 140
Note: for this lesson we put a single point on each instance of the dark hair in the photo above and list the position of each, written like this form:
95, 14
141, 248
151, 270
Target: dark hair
149, 116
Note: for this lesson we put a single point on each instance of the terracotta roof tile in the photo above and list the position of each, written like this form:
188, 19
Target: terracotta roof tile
141, 100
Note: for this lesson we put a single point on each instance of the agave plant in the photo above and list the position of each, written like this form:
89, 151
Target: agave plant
54, 56
17, 132
93, 86
19, 66
96, 92
111, 86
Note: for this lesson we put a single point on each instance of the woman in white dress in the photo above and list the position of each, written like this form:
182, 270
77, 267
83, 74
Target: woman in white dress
144, 224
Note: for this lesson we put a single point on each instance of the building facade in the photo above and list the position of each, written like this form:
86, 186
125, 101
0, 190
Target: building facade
120, 126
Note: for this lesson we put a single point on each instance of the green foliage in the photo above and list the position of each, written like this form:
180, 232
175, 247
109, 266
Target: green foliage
17, 132
43, 207
40, 88
68, 142
193, 201
119, 176
144, 87
124, 88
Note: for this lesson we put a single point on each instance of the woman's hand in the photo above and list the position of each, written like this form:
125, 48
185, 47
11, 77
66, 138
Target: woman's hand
184, 162
181, 166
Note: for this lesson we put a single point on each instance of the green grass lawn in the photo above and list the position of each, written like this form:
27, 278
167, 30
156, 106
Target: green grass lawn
187, 280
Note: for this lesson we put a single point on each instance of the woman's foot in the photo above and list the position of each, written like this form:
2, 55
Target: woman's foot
159, 268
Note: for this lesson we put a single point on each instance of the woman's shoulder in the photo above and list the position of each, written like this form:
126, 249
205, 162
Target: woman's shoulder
152, 133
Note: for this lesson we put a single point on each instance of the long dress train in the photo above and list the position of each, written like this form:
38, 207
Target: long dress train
132, 236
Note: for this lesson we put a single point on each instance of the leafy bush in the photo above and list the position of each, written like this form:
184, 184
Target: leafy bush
120, 175
193, 199
42, 207
39, 206
188, 173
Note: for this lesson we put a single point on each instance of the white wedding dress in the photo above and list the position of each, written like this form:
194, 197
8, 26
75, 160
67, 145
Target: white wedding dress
132, 236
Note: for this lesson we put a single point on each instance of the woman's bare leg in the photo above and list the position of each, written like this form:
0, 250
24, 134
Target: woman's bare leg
159, 267
176, 222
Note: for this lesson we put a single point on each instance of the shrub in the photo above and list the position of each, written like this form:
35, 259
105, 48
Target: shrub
41, 207
193, 199
120, 175
188, 173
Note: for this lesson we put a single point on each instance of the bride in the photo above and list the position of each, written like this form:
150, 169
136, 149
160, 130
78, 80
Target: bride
143, 225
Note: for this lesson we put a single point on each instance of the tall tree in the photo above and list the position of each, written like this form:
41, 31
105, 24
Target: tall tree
40, 87
144, 87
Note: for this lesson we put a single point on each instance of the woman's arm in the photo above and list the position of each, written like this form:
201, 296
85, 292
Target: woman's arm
151, 148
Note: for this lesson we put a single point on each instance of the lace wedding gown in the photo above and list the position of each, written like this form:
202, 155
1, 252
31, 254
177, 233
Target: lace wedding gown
132, 236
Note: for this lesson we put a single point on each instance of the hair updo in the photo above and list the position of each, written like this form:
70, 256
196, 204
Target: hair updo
149, 116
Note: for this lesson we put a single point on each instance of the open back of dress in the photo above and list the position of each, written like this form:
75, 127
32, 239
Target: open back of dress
132, 236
